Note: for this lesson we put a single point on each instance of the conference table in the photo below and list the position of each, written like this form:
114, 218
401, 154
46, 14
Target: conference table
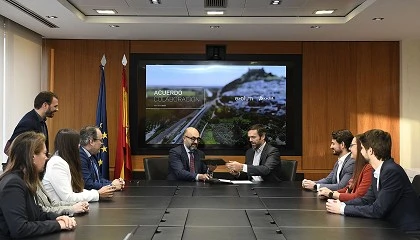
196, 210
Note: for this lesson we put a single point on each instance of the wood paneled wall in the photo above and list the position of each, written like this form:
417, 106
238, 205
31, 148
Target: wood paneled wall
353, 85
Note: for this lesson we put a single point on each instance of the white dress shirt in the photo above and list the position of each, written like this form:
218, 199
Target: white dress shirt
57, 183
255, 162
376, 174
340, 165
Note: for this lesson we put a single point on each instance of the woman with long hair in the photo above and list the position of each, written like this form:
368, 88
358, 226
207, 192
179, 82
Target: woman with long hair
360, 181
20, 216
63, 179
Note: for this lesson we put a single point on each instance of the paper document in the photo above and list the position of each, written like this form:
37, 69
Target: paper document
241, 182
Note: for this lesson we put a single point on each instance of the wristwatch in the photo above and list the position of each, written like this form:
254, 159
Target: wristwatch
331, 194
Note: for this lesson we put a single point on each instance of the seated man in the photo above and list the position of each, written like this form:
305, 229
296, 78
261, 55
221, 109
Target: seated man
262, 161
185, 160
343, 168
390, 195
90, 145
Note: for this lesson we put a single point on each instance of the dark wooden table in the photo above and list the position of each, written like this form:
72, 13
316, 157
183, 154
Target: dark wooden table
189, 210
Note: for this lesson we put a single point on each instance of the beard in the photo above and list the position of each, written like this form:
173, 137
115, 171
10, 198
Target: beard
49, 113
193, 147
336, 153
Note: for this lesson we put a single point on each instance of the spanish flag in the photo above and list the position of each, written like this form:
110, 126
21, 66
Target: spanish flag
123, 168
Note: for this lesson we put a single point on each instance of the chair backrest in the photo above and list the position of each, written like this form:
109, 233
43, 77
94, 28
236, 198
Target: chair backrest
288, 170
156, 168
416, 184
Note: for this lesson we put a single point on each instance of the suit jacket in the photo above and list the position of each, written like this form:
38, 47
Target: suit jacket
29, 122
49, 205
360, 188
20, 216
346, 172
270, 164
396, 200
179, 168
89, 174
57, 183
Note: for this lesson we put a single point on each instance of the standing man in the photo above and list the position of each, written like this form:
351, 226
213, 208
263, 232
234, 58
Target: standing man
90, 145
185, 160
391, 195
45, 105
343, 168
262, 161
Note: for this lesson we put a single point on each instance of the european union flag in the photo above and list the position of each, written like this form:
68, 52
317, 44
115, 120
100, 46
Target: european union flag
101, 122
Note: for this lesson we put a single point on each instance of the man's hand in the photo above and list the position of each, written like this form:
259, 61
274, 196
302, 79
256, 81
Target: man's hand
334, 206
234, 166
203, 177
308, 184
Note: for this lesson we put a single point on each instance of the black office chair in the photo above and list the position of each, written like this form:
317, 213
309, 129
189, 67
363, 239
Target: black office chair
156, 168
416, 184
288, 170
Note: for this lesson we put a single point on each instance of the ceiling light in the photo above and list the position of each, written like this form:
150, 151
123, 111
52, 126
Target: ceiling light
51, 17
315, 27
114, 26
378, 19
214, 26
326, 11
105, 11
275, 2
155, 1
215, 12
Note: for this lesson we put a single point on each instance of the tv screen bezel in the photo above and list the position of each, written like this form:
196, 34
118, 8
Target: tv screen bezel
137, 89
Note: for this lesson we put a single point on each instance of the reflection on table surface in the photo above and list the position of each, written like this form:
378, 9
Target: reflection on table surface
196, 210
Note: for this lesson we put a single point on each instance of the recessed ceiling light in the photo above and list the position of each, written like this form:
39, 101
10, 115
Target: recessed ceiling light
114, 26
325, 11
155, 1
106, 11
315, 27
214, 26
275, 2
378, 19
51, 17
215, 12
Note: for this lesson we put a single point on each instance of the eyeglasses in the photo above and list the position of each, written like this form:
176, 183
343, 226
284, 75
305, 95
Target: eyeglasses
99, 139
353, 144
194, 139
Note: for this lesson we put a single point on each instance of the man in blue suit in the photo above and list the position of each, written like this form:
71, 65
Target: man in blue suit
343, 168
185, 160
391, 195
90, 145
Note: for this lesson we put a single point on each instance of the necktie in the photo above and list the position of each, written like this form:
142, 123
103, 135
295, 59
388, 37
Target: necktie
92, 159
192, 167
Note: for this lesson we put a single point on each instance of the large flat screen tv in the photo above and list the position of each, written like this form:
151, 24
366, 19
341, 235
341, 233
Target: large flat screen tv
222, 99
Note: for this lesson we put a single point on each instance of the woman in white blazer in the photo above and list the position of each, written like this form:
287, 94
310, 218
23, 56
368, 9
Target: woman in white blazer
63, 179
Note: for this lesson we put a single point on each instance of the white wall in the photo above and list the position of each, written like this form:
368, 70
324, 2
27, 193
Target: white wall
20, 78
410, 104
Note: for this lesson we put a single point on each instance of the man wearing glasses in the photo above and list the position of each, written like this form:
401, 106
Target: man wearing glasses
90, 145
185, 160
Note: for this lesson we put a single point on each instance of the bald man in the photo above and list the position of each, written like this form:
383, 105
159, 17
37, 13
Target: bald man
185, 160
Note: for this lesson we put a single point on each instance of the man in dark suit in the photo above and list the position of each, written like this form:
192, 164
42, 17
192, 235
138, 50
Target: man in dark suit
45, 105
185, 160
90, 145
391, 195
262, 161
343, 168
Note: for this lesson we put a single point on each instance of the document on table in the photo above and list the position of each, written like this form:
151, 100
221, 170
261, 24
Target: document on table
242, 182
235, 181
